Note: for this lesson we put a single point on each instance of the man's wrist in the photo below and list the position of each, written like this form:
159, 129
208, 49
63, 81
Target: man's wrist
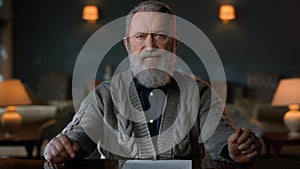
225, 154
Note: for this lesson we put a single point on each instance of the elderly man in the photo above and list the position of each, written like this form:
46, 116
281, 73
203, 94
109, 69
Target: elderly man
152, 111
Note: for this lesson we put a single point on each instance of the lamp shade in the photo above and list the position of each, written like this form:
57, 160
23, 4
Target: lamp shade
12, 92
90, 13
227, 13
287, 92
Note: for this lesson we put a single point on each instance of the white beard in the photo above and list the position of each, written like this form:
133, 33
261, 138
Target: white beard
152, 74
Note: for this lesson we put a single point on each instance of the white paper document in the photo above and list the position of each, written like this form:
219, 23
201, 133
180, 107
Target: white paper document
158, 164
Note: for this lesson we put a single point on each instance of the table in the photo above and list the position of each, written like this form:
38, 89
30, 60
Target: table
27, 137
114, 164
277, 140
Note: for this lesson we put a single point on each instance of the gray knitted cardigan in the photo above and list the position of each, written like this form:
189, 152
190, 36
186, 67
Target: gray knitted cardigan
110, 121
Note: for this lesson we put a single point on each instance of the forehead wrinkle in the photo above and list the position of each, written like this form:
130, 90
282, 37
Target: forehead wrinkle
150, 22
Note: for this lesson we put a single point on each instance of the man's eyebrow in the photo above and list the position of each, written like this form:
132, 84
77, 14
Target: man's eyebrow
135, 34
160, 31
138, 33
164, 32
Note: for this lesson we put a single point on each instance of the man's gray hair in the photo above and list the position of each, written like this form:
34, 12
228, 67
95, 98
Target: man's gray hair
148, 6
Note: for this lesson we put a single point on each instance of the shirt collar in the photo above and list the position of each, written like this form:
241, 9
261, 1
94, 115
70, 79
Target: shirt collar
140, 87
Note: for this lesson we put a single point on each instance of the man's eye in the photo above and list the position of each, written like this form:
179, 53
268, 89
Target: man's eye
140, 37
160, 36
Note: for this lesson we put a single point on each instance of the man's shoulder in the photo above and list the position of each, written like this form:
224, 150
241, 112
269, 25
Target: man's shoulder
115, 80
103, 86
188, 78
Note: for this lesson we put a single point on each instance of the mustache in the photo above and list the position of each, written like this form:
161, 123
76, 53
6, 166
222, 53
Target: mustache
152, 53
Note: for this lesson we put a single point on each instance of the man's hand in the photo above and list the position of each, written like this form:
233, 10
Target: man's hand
243, 146
60, 150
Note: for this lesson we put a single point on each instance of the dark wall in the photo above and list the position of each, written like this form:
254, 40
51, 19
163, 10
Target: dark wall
49, 34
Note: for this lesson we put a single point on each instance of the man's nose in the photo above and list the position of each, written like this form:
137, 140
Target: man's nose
150, 41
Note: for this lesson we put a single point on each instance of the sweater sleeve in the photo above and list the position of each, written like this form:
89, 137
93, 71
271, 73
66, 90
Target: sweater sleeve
86, 127
215, 124
76, 133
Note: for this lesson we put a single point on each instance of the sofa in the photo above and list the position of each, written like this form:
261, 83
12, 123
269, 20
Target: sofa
253, 108
36, 117
51, 108
54, 88
64, 114
44, 120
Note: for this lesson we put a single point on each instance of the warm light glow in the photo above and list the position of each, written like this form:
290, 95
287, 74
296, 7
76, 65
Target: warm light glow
90, 13
227, 13
12, 92
288, 92
11, 120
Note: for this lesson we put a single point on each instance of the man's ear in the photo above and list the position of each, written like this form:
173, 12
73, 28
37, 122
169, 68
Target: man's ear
126, 44
174, 45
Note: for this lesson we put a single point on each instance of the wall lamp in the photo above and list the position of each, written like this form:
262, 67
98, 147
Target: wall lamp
227, 13
90, 13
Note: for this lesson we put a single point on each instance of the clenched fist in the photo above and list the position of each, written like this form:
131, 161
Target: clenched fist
60, 150
243, 146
